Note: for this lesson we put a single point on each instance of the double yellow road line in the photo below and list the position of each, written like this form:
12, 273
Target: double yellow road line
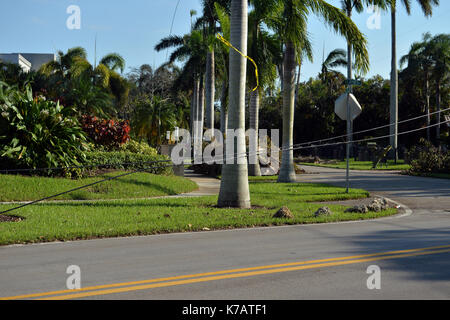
227, 274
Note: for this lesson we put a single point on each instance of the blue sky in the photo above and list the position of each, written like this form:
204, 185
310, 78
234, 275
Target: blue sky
133, 27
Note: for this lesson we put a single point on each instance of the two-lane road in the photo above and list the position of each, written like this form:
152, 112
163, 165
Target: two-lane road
294, 262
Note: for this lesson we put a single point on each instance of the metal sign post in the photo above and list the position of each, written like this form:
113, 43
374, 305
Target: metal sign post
348, 110
347, 176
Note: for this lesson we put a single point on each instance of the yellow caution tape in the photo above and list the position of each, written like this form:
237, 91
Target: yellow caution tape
227, 43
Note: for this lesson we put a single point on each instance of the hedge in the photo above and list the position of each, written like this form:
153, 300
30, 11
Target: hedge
130, 161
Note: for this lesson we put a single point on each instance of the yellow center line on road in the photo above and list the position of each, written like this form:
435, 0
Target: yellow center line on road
236, 275
232, 273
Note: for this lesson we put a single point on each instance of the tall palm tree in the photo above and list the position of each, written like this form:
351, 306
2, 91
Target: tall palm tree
419, 67
440, 55
426, 6
336, 58
222, 69
293, 25
264, 50
192, 47
234, 189
348, 6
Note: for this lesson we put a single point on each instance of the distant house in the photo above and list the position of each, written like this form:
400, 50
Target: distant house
28, 61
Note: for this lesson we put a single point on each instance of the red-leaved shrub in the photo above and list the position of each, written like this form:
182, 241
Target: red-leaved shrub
108, 133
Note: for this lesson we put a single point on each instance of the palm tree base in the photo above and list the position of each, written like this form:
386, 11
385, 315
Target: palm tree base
254, 170
287, 177
234, 204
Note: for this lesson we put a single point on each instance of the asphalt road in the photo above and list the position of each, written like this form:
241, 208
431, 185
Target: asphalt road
294, 262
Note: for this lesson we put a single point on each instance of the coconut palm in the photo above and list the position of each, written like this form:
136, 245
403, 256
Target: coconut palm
419, 66
427, 8
336, 58
223, 53
293, 26
114, 62
153, 117
234, 189
191, 47
64, 62
264, 48
104, 76
440, 56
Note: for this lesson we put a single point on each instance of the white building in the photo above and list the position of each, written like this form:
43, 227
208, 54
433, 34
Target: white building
28, 61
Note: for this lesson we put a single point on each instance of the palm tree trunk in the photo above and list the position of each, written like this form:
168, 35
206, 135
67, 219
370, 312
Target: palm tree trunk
287, 171
223, 109
427, 101
438, 114
393, 131
195, 109
234, 190
253, 167
349, 77
195, 125
201, 107
210, 90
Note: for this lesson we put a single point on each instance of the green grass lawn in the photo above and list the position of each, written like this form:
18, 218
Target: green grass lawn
138, 185
362, 165
72, 221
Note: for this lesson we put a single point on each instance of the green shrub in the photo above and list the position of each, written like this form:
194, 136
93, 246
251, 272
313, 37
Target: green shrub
36, 133
426, 158
129, 161
139, 147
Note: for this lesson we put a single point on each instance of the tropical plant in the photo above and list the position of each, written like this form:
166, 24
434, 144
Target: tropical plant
234, 189
36, 133
152, 118
108, 133
292, 26
264, 49
418, 70
336, 58
440, 57
191, 48
427, 8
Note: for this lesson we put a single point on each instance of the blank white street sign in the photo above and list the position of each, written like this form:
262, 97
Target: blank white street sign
340, 107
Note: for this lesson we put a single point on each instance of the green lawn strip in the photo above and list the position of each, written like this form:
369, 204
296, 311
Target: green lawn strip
361, 165
74, 221
137, 185
263, 179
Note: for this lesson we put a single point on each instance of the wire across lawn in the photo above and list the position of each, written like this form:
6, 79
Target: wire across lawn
138, 185
74, 221
362, 165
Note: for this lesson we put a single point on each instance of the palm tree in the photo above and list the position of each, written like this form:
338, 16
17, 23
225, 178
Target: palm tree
293, 25
104, 76
440, 55
64, 62
264, 50
114, 62
426, 6
223, 53
419, 67
336, 58
191, 47
234, 189
153, 117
